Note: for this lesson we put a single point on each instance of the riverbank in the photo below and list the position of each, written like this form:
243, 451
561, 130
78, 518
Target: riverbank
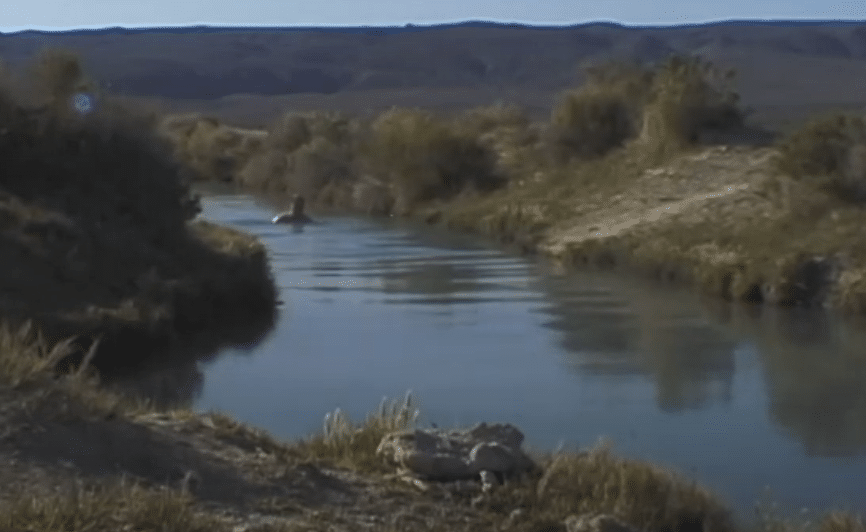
75, 455
654, 170
98, 237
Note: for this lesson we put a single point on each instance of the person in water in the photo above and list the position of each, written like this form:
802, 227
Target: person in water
294, 216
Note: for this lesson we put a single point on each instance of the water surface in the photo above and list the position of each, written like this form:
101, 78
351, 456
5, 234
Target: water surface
735, 397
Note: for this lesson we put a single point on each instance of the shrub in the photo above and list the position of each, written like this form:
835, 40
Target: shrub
57, 74
303, 153
591, 121
316, 164
688, 96
831, 152
425, 158
266, 170
102, 166
603, 113
289, 133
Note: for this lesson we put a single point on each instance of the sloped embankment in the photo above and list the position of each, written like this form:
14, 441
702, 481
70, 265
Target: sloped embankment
721, 218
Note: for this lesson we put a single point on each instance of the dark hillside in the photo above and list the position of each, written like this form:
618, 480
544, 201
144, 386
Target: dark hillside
783, 66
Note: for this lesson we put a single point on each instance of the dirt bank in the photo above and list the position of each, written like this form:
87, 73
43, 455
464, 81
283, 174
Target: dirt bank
721, 218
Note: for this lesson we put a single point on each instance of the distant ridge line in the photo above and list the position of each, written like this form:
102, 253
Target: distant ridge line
409, 28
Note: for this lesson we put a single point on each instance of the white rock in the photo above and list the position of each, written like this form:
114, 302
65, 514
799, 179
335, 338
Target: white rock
596, 523
459, 454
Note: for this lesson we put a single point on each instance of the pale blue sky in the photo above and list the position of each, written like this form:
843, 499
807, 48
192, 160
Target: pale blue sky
61, 14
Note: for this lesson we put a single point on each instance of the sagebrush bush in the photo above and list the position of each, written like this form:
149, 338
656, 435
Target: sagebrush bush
591, 121
289, 133
602, 113
425, 158
688, 96
831, 152
57, 74
266, 170
668, 106
303, 153
316, 164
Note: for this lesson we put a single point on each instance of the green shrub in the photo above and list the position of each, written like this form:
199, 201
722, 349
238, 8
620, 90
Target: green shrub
831, 152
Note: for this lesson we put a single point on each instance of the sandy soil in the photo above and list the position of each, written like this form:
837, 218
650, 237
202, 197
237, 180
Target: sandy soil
687, 186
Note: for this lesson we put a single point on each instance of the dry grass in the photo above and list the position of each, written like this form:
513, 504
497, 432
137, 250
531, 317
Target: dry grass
106, 506
645, 496
346, 444
29, 364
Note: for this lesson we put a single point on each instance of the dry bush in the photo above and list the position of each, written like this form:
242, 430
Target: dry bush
347, 444
643, 495
289, 133
99, 163
266, 170
424, 158
56, 75
97, 170
841, 522
668, 107
303, 153
601, 114
830, 151
212, 150
689, 96
591, 121
316, 164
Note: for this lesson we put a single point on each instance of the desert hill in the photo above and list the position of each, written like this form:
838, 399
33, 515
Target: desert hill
787, 70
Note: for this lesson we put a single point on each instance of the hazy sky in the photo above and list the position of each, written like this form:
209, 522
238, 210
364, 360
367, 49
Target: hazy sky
57, 14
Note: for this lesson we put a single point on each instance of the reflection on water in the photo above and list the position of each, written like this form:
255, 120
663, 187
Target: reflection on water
181, 381
736, 397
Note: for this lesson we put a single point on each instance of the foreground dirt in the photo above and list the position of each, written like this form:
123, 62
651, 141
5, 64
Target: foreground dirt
237, 474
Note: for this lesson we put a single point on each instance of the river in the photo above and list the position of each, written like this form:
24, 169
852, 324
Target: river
738, 398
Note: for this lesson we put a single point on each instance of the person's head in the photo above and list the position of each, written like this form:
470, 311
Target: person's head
298, 204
